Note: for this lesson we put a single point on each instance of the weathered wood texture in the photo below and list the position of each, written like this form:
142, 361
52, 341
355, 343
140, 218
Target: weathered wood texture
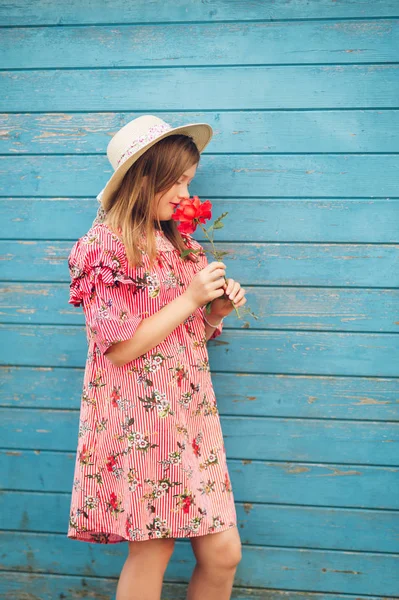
303, 99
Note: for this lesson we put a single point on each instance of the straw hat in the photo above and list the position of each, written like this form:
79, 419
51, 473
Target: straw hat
132, 140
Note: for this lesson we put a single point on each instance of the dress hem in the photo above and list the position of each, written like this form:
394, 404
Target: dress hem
179, 535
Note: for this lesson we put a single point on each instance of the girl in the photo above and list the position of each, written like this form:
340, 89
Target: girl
151, 463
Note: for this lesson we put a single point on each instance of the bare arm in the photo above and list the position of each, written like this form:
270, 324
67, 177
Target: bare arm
205, 286
214, 319
152, 330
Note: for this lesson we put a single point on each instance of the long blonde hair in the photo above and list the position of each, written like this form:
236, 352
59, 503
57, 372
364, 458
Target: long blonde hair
133, 207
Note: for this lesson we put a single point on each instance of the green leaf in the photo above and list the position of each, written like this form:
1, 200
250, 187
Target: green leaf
185, 253
219, 254
222, 216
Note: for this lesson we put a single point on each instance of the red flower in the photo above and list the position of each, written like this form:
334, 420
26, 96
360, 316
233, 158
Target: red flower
84, 454
190, 212
180, 377
113, 501
115, 396
186, 504
195, 447
111, 462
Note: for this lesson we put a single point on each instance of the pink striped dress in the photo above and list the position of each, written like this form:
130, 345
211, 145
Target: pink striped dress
150, 459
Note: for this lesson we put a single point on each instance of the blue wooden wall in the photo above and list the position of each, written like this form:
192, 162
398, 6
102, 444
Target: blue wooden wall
303, 99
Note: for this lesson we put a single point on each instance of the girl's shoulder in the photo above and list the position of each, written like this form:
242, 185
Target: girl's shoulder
100, 245
98, 255
105, 234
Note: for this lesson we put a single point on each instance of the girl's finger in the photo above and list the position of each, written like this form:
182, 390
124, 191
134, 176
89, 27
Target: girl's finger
230, 283
234, 291
240, 294
238, 300
241, 302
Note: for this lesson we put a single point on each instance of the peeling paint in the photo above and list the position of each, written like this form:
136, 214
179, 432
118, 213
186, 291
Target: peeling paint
338, 571
248, 507
369, 401
336, 472
296, 469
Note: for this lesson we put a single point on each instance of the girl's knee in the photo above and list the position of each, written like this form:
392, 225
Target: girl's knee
218, 550
230, 556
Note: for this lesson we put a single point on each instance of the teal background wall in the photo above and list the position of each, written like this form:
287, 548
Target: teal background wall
303, 98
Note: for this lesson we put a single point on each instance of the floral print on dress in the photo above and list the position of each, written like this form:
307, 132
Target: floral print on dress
150, 458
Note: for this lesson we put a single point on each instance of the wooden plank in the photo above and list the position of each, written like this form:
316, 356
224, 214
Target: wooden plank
240, 176
255, 438
27, 12
289, 220
281, 568
48, 586
283, 352
259, 524
237, 393
333, 485
318, 309
252, 131
246, 87
24, 586
210, 43
251, 263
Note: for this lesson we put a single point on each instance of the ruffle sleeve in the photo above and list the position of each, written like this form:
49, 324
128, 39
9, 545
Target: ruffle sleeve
202, 263
99, 282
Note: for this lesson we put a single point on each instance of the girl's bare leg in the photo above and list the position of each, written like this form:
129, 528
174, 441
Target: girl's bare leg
218, 555
142, 574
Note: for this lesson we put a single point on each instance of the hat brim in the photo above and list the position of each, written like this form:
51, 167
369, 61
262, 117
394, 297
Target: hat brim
200, 132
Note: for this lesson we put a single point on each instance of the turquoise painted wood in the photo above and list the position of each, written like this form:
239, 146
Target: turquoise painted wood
303, 99
262, 566
294, 526
329, 309
292, 483
245, 437
355, 130
219, 175
238, 393
343, 265
98, 12
215, 44
367, 86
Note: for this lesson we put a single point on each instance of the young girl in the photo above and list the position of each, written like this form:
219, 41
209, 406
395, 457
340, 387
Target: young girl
151, 463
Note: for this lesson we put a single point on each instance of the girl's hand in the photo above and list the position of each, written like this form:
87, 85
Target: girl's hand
207, 284
233, 292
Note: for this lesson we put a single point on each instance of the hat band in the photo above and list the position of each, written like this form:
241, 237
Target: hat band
152, 133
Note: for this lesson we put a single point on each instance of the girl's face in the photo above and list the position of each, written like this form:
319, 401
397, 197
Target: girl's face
167, 201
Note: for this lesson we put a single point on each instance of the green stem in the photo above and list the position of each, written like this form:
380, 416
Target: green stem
214, 256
